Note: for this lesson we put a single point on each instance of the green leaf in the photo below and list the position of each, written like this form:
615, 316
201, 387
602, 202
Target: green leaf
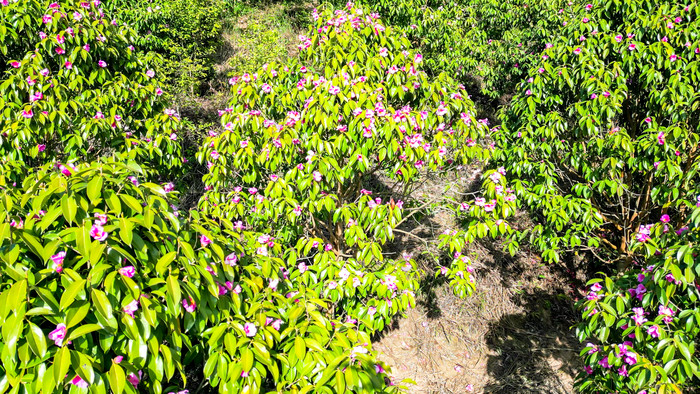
164, 262
299, 347
82, 330
36, 340
61, 364
71, 293
117, 378
69, 207
94, 189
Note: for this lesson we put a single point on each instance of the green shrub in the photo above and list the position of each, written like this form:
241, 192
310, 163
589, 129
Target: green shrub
641, 328
79, 92
300, 141
95, 264
186, 33
488, 43
602, 138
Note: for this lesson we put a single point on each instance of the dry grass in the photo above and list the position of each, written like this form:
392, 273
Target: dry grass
511, 336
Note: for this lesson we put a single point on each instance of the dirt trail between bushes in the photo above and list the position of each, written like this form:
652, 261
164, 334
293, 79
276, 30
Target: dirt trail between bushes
511, 336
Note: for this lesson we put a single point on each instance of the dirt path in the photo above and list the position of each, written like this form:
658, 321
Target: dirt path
511, 336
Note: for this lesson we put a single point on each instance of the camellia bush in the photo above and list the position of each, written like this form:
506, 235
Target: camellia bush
600, 146
95, 268
107, 287
602, 137
289, 171
489, 44
641, 328
73, 88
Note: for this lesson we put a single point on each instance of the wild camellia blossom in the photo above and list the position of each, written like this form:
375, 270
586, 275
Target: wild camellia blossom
133, 379
79, 382
204, 240
231, 259
250, 329
667, 313
98, 233
189, 306
58, 261
131, 308
58, 335
643, 234
638, 317
661, 138
128, 271
653, 331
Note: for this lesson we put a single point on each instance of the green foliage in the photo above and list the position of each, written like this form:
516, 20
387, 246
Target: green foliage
644, 323
489, 43
602, 138
259, 38
187, 33
94, 267
78, 93
300, 141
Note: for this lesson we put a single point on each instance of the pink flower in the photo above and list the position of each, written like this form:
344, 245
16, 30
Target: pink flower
168, 187
133, 379
27, 113
588, 369
128, 271
653, 331
118, 359
79, 382
632, 47
58, 258
231, 259
131, 307
102, 63
189, 306
317, 176
58, 334
250, 329
622, 371
333, 90
15, 64
665, 218
328, 247
64, 170
661, 138
577, 50
204, 240
98, 233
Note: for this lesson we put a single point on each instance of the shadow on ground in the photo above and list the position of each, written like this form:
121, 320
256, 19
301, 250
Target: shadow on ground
513, 335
